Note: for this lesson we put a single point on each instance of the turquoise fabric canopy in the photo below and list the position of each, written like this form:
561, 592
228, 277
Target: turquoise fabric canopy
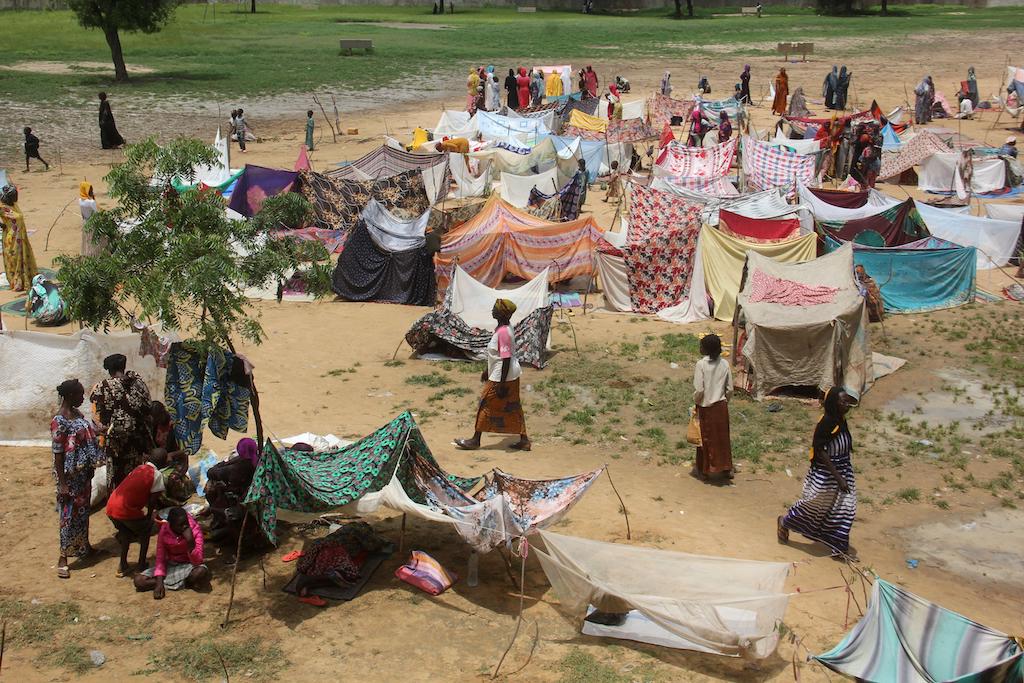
927, 275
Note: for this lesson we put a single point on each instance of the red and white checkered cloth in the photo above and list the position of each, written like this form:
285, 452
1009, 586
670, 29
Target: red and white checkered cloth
679, 161
768, 166
774, 290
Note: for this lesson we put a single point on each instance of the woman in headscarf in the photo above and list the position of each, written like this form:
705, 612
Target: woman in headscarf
566, 81
553, 85
724, 127
828, 89
745, 85
581, 83
613, 97
523, 84
536, 87
798, 104
492, 96
712, 384
227, 484
76, 454
590, 77
472, 83
511, 91
87, 207
699, 125
109, 137
781, 93
842, 88
500, 410
666, 83
828, 503
122, 407
19, 259
972, 87
481, 99
924, 97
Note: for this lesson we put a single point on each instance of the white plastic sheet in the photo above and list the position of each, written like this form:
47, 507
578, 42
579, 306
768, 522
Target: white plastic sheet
466, 184
391, 233
823, 211
472, 300
994, 239
614, 275
1005, 212
515, 189
940, 173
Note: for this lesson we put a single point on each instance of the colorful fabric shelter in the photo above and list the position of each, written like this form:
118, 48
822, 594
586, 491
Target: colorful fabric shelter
502, 240
805, 323
256, 184
927, 275
760, 229
767, 166
394, 468
661, 109
339, 202
895, 226
707, 163
995, 240
719, 605
904, 638
387, 161
914, 151
831, 210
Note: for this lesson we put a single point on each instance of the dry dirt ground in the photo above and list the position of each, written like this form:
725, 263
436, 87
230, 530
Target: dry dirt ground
950, 505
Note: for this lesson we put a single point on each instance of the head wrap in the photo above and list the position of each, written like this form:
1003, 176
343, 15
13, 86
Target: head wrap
84, 188
505, 308
249, 450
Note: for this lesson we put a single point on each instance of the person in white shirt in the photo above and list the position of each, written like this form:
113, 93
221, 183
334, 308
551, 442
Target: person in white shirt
712, 384
500, 410
87, 207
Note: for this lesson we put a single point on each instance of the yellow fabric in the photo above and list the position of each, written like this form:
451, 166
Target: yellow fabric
553, 85
419, 137
472, 82
19, 259
587, 122
84, 188
505, 307
723, 257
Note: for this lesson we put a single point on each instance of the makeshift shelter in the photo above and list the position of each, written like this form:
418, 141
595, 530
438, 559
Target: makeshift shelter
517, 130
629, 130
542, 157
768, 166
943, 172
218, 176
515, 189
831, 205
713, 108
996, 241
904, 638
890, 140
255, 184
35, 363
561, 205
338, 202
800, 146
758, 229
892, 227
467, 184
926, 275
662, 109
385, 259
393, 467
1005, 212
706, 163
913, 151
723, 257
709, 604
803, 324
502, 240
387, 161
463, 325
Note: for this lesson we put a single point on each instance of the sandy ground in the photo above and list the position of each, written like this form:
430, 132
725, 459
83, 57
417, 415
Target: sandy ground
391, 631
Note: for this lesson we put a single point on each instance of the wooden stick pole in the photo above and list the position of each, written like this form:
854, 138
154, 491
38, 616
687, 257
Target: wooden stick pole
401, 535
625, 512
234, 569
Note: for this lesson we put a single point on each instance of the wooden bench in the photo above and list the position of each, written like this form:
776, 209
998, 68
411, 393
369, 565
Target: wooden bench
803, 49
749, 11
347, 44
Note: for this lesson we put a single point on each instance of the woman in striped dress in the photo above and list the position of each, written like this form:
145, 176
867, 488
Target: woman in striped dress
828, 503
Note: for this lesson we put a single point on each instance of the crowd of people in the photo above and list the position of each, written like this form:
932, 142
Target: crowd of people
527, 88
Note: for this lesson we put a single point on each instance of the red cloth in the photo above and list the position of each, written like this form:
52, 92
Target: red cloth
523, 88
666, 136
846, 200
130, 498
759, 228
173, 548
590, 78
773, 290
302, 163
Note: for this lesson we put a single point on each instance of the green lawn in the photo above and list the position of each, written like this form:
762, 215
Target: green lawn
288, 48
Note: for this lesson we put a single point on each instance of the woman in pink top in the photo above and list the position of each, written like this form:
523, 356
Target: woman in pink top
500, 410
179, 557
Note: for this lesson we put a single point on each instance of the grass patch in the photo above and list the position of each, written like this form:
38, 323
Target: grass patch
445, 393
197, 659
69, 657
394, 363
584, 417
909, 495
678, 347
582, 667
29, 624
434, 379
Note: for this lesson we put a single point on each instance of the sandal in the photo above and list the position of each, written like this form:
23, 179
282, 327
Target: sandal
781, 532
465, 445
314, 600
63, 572
292, 556
522, 446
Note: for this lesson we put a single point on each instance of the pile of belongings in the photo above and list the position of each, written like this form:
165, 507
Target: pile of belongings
462, 326
45, 304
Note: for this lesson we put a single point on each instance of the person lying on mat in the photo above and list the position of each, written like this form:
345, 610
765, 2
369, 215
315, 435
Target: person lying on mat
500, 410
179, 557
131, 504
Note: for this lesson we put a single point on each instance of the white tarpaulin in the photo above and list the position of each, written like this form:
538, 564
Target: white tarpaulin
614, 275
630, 110
391, 233
34, 363
466, 184
823, 211
473, 301
515, 189
1005, 212
516, 131
539, 159
798, 146
995, 240
455, 124
714, 604
941, 173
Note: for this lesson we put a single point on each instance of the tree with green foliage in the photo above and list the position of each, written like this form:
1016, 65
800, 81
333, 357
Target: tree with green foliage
114, 16
175, 258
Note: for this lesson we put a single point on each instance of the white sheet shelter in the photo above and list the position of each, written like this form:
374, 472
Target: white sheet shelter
941, 172
515, 189
472, 300
994, 239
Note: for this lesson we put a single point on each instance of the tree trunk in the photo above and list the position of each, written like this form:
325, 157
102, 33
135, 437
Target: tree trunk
689, 8
885, 7
114, 41
252, 7
679, 9
441, 5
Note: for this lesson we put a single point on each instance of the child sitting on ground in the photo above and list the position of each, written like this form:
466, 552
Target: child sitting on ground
179, 557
